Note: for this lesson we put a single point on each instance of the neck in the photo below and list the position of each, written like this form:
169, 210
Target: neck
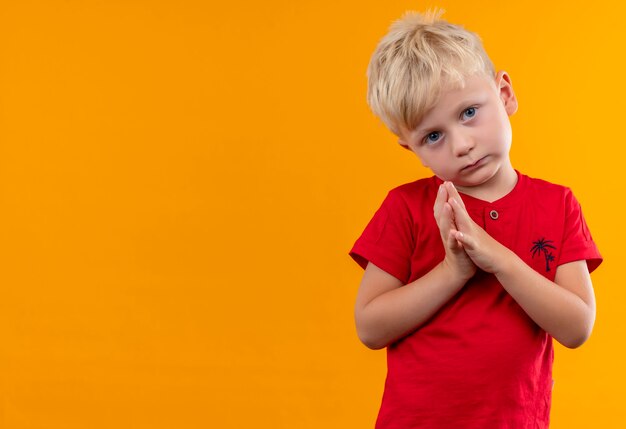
497, 187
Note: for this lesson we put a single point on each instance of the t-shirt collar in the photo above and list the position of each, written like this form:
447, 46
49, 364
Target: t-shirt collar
514, 197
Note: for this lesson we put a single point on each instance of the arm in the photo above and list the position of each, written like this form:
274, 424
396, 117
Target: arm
565, 308
386, 311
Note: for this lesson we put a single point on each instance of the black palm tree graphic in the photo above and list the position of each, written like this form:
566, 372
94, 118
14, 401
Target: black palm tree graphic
541, 246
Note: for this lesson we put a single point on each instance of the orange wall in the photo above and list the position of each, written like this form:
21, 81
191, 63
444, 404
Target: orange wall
180, 183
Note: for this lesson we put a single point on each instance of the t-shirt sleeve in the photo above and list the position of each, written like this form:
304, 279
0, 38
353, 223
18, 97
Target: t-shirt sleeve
388, 240
577, 243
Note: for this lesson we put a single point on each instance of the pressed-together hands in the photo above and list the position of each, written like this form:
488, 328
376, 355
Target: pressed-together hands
566, 312
386, 310
456, 259
467, 245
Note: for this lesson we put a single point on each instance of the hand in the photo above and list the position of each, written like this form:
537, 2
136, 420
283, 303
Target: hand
482, 249
456, 259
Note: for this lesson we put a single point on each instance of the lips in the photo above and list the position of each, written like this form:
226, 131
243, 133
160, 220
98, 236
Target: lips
475, 164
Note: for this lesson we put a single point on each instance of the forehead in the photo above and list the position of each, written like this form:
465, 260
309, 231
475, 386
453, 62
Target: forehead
457, 96
472, 86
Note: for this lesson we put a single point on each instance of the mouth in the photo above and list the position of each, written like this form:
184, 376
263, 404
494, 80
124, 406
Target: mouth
475, 164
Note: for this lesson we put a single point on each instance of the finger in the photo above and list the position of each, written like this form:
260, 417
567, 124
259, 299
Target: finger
454, 193
442, 197
445, 219
453, 243
462, 219
466, 241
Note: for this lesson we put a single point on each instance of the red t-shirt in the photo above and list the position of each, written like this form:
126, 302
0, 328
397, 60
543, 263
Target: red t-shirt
480, 361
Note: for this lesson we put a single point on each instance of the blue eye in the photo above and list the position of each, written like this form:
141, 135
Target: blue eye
432, 137
469, 113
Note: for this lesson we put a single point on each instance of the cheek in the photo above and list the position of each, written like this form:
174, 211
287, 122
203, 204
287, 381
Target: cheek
443, 165
504, 135
425, 161
498, 133
503, 124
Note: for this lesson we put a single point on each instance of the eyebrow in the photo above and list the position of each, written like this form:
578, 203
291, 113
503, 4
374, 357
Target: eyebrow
468, 101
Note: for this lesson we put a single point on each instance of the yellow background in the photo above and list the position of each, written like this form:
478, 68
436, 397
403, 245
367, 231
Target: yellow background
181, 181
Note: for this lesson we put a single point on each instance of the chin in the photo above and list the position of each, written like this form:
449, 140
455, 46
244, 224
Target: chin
475, 180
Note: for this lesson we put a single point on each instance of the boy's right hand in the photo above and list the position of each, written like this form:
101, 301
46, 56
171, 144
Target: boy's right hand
456, 259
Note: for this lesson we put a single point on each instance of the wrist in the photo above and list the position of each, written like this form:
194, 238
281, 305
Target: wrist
454, 273
505, 262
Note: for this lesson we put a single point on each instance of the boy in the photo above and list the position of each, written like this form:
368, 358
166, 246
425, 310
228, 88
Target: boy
469, 274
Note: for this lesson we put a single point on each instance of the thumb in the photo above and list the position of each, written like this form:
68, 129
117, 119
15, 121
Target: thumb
466, 241
453, 243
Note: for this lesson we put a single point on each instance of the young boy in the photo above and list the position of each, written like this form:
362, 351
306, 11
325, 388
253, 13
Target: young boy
470, 273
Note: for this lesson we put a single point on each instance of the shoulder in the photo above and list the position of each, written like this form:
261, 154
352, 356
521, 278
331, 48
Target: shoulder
415, 192
551, 199
545, 190
537, 184
412, 201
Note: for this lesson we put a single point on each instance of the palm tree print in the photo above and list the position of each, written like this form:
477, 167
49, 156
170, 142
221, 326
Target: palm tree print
542, 246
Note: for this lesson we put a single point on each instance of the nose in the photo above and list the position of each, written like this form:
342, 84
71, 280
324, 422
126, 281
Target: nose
462, 143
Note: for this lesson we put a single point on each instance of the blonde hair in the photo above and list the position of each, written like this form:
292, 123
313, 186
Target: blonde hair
420, 54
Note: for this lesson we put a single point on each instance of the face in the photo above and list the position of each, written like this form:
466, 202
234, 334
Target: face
466, 137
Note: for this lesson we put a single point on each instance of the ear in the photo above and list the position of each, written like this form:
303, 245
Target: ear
505, 90
402, 142
407, 147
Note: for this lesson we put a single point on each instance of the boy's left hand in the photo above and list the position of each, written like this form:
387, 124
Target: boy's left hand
484, 250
